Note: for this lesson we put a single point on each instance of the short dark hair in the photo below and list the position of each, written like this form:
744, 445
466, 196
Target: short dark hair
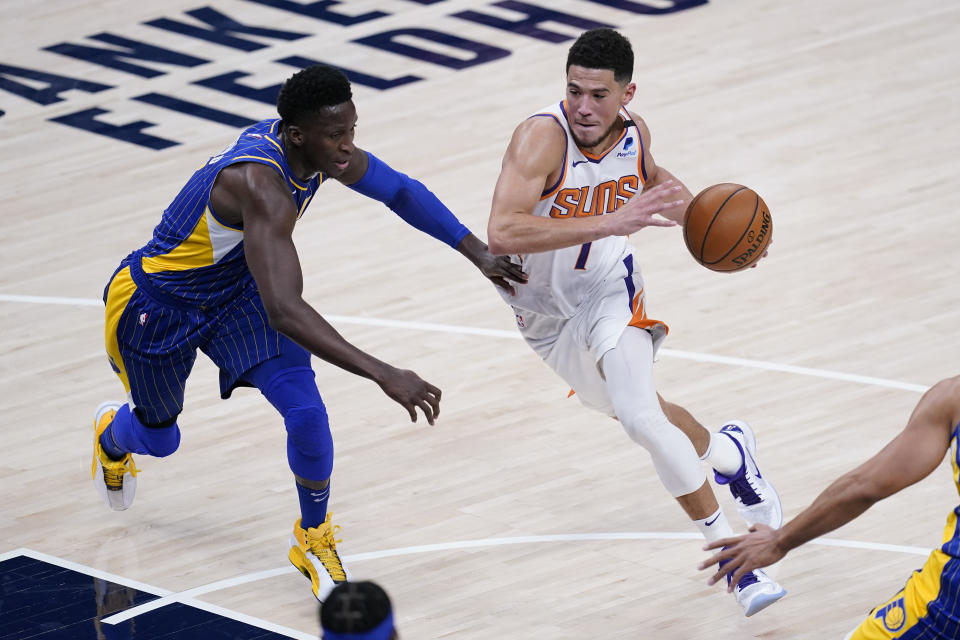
308, 91
603, 49
354, 607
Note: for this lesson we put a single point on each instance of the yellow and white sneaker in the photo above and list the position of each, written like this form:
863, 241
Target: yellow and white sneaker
115, 480
314, 553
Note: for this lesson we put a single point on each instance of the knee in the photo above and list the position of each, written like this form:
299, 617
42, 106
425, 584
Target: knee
309, 430
649, 428
160, 441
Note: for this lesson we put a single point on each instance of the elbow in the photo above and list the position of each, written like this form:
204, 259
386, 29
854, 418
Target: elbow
498, 242
496, 248
280, 318
865, 490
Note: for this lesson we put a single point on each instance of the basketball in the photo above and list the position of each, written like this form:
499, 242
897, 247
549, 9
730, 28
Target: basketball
727, 227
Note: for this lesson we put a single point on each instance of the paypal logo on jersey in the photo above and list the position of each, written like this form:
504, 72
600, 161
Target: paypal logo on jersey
629, 151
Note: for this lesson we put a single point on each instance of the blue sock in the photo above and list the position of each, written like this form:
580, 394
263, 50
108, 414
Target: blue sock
106, 438
313, 505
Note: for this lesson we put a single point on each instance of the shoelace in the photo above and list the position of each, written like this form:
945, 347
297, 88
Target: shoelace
746, 580
324, 546
114, 471
743, 489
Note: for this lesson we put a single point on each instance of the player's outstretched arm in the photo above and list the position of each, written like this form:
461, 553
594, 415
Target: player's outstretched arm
420, 208
534, 156
907, 459
257, 195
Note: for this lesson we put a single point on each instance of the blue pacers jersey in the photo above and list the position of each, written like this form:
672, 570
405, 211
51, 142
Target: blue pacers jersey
194, 256
928, 606
945, 609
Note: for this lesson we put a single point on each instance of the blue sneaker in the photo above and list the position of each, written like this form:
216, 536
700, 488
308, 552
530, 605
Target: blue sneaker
757, 501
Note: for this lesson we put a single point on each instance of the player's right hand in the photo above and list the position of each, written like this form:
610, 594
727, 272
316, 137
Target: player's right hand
411, 391
642, 209
759, 548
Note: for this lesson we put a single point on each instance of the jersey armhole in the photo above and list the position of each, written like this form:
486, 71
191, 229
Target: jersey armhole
546, 193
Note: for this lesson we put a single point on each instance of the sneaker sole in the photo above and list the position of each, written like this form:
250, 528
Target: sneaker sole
763, 601
101, 410
298, 558
113, 499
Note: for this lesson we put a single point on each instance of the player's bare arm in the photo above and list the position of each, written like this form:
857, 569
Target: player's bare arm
423, 210
906, 460
255, 196
533, 157
657, 175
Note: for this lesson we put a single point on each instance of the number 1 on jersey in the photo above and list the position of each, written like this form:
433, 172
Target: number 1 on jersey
584, 254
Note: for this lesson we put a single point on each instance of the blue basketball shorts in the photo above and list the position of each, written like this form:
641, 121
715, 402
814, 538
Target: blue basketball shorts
152, 342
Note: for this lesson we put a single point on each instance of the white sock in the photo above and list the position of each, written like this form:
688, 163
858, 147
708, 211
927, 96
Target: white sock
723, 454
714, 526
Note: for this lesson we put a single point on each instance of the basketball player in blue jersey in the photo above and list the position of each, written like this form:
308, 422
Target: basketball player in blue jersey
577, 178
928, 606
222, 275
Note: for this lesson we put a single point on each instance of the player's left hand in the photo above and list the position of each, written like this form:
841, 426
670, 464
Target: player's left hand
757, 549
501, 271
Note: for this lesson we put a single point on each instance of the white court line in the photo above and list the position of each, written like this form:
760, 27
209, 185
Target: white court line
90, 571
513, 335
76, 302
165, 594
187, 596
184, 596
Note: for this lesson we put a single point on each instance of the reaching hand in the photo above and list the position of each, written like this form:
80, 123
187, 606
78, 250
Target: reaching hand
501, 271
757, 549
641, 209
411, 391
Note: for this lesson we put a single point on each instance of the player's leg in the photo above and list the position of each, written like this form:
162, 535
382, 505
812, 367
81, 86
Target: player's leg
628, 371
287, 382
732, 453
251, 353
136, 329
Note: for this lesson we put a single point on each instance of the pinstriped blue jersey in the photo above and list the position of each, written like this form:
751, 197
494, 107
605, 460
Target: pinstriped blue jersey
951, 534
935, 595
195, 256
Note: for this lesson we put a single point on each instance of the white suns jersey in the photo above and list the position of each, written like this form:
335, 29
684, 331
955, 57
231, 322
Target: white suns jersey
561, 280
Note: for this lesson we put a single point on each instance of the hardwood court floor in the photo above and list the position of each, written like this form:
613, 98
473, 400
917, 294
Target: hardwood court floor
842, 115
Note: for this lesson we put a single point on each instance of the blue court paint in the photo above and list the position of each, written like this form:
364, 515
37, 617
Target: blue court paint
531, 26
42, 601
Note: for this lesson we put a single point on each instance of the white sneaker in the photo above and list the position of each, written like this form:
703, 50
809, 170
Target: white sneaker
756, 591
757, 501
115, 480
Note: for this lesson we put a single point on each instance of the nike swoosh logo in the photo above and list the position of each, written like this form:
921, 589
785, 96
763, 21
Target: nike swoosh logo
712, 521
576, 162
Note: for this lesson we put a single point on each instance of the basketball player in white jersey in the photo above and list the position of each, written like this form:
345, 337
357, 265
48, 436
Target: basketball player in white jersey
577, 178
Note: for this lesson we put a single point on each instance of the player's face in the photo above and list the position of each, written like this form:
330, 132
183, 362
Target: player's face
328, 139
594, 99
